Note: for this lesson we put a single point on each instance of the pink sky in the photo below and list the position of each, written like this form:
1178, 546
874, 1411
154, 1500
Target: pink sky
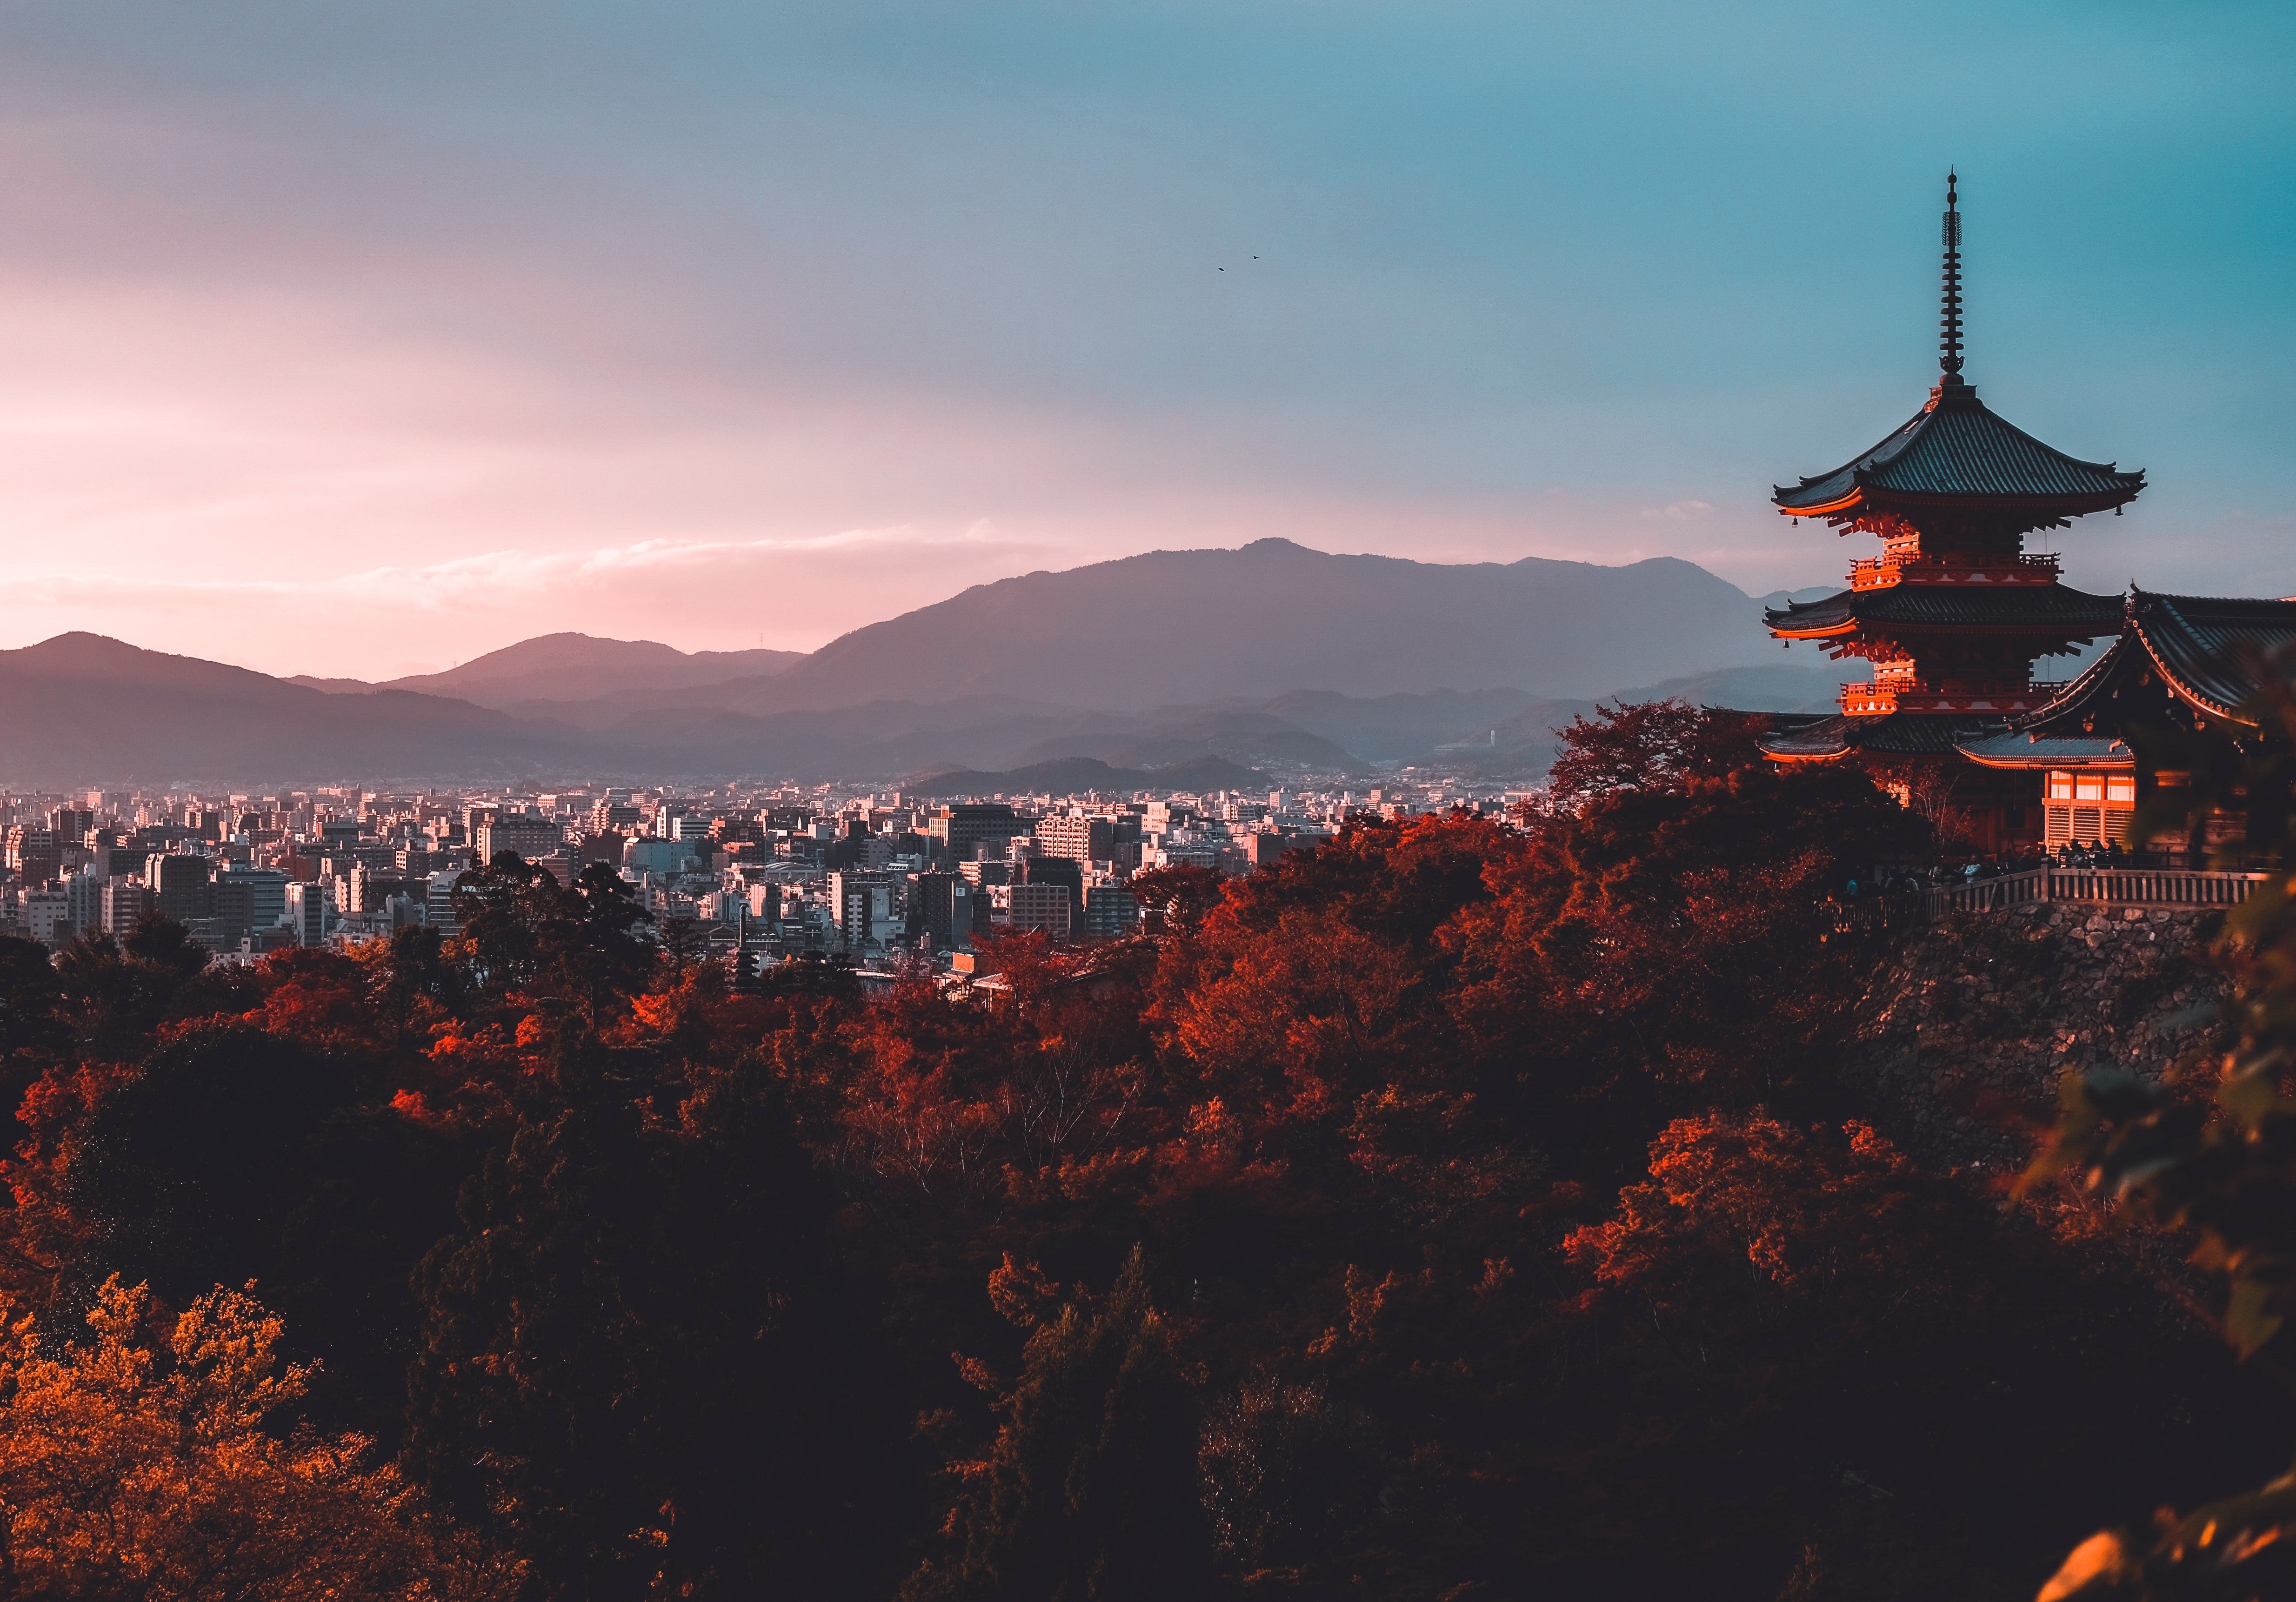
364, 342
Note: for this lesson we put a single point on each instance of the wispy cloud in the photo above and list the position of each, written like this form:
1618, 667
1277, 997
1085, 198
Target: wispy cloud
1679, 511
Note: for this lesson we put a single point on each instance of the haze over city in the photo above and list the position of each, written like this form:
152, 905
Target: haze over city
362, 341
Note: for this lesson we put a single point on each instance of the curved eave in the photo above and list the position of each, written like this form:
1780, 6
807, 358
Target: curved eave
1802, 756
1872, 498
1848, 503
2040, 757
2177, 683
2087, 686
2054, 629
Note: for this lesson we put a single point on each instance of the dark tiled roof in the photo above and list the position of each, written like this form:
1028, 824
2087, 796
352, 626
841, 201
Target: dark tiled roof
2210, 649
2207, 650
1957, 448
2013, 749
2064, 713
2054, 607
1821, 736
1899, 734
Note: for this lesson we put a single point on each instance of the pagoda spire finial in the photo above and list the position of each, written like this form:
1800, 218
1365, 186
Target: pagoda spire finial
1949, 342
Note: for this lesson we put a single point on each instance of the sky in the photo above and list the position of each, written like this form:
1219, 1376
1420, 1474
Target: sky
361, 338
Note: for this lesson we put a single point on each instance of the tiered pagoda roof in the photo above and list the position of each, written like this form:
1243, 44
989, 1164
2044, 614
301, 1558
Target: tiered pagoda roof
1959, 609
1957, 454
1837, 734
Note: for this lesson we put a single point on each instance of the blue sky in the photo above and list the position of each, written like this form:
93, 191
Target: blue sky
366, 338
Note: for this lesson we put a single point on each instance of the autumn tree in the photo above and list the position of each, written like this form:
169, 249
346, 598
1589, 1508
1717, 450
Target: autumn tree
149, 1464
116, 992
236, 1153
1649, 746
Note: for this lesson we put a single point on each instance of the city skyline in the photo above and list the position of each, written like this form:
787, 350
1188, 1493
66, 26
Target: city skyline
364, 343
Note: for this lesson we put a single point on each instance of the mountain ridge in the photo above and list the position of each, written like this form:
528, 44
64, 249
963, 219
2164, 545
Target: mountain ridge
1189, 627
569, 661
1272, 656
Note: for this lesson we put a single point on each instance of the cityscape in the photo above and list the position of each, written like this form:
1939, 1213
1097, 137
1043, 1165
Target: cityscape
1147, 803
751, 875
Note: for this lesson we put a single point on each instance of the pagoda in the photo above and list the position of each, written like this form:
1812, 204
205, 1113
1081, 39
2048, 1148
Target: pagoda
1954, 611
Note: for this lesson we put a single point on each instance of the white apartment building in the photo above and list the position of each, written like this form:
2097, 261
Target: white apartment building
861, 907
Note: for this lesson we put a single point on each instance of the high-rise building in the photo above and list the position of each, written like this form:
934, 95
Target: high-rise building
125, 900
1110, 911
307, 913
439, 903
71, 824
957, 832
614, 815
942, 909
249, 899
861, 906
184, 888
1045, 906
1079, 840
32, 853
524, 833
47, 916
84, 900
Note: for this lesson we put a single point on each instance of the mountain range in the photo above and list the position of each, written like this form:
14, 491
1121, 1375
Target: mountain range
1272, 657
580, 666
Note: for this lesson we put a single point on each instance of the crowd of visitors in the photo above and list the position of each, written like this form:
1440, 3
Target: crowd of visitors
1901, 879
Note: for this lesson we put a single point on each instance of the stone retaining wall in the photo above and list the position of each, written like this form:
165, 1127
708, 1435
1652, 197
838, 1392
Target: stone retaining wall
1961, 1039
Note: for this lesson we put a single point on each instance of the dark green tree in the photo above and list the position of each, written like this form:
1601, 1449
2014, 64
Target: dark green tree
501, 909
411, 970
1090, 1492
31, 992
682, 945
634, 1362
2211, 1155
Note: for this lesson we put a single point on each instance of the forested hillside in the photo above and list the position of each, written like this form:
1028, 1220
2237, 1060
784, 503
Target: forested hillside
1458, 1211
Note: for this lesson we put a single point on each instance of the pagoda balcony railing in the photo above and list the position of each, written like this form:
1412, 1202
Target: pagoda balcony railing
1929, 568
2123, 887
1981, 698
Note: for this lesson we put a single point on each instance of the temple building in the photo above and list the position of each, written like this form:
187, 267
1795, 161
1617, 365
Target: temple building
1954, 612
2186, 662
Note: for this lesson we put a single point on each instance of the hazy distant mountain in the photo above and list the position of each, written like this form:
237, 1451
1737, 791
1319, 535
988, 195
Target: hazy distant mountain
82, 708
1185, 629
1811, 685
1399, 728
1182, 627
572, 667
1239, 735
1273, 658
1523, 742
1072, 774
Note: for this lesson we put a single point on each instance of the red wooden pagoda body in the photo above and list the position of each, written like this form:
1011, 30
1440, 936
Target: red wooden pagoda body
1954, 612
